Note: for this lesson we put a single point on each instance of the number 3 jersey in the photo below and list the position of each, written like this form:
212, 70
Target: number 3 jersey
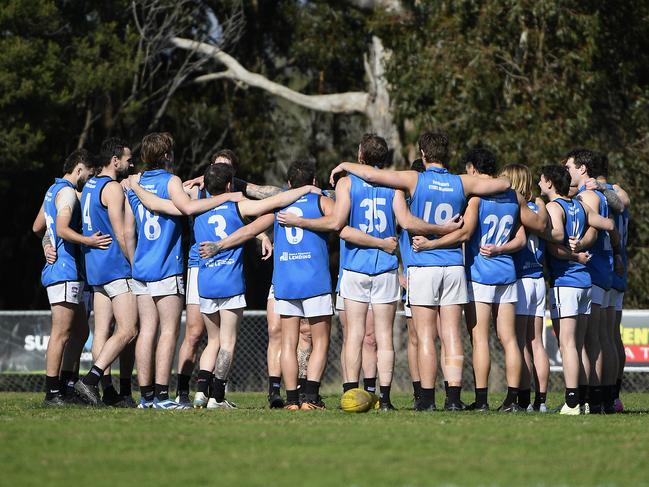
220, 276
371, 212
102, 266
497, 218
301, 257
158, 253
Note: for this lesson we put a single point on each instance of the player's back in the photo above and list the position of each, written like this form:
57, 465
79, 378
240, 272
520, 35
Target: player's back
438, 197
301, 257
371, 212
220, 276
102, 266
622, 226
529, 260
497, 219
158, 253
600, 265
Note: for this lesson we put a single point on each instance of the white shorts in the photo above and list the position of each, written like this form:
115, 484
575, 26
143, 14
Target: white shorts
436, 286
168, 286
340, 303
531, 296
66, 292
271, 293
378, 289
617, 299
306, 308
600, 296
115, 288
212, 305
569, 301
191, 296
497, 294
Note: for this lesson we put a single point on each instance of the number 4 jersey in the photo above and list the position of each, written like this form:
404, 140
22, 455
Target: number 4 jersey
220, 276
301, 257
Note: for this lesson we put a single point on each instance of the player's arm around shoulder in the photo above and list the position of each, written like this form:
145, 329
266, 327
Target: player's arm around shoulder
535, 222
280, 200
334, 221
404, 180
112, 197
477, 186
556, 222
597, 221
66, 202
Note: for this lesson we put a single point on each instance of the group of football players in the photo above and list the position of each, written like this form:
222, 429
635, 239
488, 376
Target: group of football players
477, 242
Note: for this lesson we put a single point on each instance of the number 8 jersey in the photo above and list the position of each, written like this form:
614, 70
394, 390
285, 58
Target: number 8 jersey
497, 220
220, 276
301, 257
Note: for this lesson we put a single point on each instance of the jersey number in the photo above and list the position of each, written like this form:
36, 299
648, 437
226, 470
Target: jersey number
86, 213
443, 213
219, 222
294, 235
503, 225
373, 213
152, 228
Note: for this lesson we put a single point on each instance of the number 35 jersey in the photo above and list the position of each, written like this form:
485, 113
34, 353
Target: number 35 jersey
497, 219
220, 276
301, 257
158, 253
371, 212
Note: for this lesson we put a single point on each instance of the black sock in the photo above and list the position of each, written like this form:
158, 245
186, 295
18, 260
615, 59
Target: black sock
292, 397
384, 394
453, 394
512, 396
301, 384
312, 391
147, 392
481, 396
524, 396
183, 384
274, 383
427, 397
416, 389
446, 387
616, 391
68, 379
92, 378
595, 396
539, 398
106, 381
572, 397
218, 389
162, 392
125, 387
203, 381
583, 394
52, 387
369, 384
110, 392
607, 395
350, 385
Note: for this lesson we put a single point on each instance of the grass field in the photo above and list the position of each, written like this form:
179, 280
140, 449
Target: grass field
255, 446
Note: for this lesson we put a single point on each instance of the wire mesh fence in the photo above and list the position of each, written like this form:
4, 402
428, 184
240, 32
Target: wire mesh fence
24, 337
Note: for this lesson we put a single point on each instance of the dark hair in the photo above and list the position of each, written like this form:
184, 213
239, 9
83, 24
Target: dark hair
600, 166
217, 176
559, 177
111, 147
374, 150
300, 173
154, 148
226, 154
418, 165
583, 157
483, 160
79, 156
434, 145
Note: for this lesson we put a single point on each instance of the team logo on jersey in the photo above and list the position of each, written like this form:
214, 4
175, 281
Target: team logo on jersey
283, 257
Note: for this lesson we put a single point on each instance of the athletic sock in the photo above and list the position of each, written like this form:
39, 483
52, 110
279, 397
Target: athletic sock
427, 397
67, 380
92, 378
512, 396
572, 397
147, 392
274, 384
369, 384
183, 384
384, 394
446, 387
292, 396
481, 394
539, 398
106, 381
301, 384
312, 391
607, 396
162, 392
416, 389
616, 391
218, 389
203, 381
595, 395
349, 385
524, 396
110, 393
52, 387
125, 387
583, 394
453, 394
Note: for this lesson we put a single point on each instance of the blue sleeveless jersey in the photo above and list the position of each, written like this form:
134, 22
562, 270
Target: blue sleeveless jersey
600, 266
371, 212
622, 226
497, 220
529, 260
68, 263
301, 257
158, 253
102, 266
193, 246
569, 273
220, 276
438, 197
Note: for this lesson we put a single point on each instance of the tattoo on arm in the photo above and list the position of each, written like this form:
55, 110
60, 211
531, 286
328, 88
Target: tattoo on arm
261, 192
223, 364
46, 240
613, 200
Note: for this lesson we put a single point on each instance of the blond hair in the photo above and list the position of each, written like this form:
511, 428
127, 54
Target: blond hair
154, 148
521, 178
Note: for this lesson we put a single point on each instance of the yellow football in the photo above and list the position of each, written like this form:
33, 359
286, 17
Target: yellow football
356, 401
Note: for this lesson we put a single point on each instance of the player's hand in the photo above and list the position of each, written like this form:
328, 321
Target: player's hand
126, 184
236, 197
453, 224
592, 184
266, 248
575, 244
540, 202
336, 170
208, 249
50, 254
489, 250
314, 189
420, 243
403, 282
99, 241
390, 245
134, 179
287, 219
198, 181
583, 257
618, 265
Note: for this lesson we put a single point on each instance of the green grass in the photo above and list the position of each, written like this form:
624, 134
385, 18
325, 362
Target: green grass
255, 446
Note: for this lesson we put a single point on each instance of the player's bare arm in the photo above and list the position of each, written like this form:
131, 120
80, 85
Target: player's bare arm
477, 186
404, 180
188, 206
66, 202
556, 220
536, 223
240, 236
460, 235
417, 226
112, 197
514, 245
39, 228
565, 253
257, 192
254, 208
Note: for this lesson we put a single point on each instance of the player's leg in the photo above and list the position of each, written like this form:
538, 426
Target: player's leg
621, 352
610, 358
521, 329
304, 349
593, 347
72, 352
290, 328
230, 319
342, 318
383, 329
505, 318
424, 319
62, 324
541, 363
450, 317
413, 363
104, 321
320, 334
207, 360
126, 366
169, 308
584, 364
568, 346
194, 330
273, 354
478, 318
145, 348
369, 354
356, 312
